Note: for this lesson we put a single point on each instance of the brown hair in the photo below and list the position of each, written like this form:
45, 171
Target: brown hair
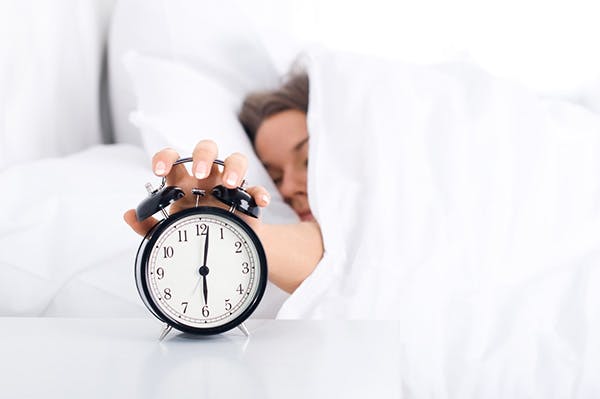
293, 94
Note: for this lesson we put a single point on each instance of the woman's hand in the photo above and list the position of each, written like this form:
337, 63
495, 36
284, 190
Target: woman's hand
206, 175
292, 250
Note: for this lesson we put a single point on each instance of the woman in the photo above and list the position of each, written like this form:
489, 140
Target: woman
275, 122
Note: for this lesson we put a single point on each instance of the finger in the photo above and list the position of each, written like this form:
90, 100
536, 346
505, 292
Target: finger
162, 161
204, 155
162, 165
142, 227
260, 195
235, 169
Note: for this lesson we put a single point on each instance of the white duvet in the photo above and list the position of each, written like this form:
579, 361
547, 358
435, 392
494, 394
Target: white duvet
466, 208
65, 250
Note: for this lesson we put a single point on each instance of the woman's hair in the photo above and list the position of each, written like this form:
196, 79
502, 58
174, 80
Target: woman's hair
291, 95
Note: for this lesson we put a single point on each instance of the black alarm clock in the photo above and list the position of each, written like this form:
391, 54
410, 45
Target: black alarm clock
201, 270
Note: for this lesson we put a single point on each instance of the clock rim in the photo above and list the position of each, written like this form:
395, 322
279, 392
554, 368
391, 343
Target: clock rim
143, 255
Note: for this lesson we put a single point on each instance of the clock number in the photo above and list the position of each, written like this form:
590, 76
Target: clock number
167, 293
240, 289
227, 305
238, 247
205, 311
202, 227
245, 268
182, 237
221, 233
160, 272
168, 252
185, 305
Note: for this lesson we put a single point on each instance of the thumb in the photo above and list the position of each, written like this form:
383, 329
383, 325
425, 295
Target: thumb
142, 227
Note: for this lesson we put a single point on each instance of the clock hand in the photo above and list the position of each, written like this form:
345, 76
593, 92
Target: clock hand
203, 272
204, 269
196, 286
204, 289
206, 246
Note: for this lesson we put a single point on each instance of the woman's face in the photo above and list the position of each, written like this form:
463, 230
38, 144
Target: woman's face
281, 143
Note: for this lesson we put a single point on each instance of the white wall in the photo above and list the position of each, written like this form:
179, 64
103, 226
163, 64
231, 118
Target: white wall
50, 65
548, 45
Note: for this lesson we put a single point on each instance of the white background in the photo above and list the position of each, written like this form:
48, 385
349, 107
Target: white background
51, 52
550, 46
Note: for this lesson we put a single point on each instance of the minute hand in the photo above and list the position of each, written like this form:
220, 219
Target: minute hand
206, 247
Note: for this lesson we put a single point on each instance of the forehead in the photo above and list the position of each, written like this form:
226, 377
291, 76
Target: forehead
278, 135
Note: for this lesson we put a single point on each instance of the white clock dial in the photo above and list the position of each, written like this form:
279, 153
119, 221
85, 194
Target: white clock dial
203, 271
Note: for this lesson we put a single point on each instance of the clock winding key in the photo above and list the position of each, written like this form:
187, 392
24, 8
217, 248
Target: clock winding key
198, 193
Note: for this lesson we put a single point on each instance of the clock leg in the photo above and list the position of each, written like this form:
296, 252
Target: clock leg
243, 328
166, 331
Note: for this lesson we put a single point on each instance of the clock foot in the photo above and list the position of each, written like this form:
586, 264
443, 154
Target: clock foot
165, 332
243, 328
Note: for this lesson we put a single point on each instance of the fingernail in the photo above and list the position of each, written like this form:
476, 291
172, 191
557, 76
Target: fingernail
201, 170
160, 168
265, 199
231, 179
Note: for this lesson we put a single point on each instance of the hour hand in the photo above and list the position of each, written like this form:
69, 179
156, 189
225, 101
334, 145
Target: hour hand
203, 272
205, 289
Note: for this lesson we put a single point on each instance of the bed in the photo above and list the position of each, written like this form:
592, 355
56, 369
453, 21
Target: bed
481, 240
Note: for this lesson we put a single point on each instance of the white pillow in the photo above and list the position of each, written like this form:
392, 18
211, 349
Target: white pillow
218, 39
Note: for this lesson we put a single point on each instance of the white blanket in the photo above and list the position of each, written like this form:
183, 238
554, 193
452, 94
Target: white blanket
65, 248
466, 208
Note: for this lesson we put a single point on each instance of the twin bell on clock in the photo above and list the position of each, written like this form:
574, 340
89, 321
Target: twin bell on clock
201, 270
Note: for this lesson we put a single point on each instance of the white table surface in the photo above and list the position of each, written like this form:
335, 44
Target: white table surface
112, 358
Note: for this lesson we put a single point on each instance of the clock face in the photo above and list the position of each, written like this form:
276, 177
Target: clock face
203, 270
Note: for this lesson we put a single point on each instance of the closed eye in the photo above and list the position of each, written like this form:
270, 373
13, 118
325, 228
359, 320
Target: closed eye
277, 178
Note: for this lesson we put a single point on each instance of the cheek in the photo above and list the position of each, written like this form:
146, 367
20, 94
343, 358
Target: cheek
299, 176
303, 172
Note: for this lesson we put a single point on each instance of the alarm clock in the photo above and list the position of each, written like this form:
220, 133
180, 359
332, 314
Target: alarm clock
201, 270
